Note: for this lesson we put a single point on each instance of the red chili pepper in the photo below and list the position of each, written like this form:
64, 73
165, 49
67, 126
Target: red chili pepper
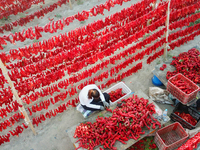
187, 117
161, 68
109, 110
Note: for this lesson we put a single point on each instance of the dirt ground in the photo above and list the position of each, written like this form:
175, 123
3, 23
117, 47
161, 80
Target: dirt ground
52, 134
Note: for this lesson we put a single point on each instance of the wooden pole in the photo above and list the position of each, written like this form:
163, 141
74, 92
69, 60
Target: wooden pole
167, 32
70, 4
27, 120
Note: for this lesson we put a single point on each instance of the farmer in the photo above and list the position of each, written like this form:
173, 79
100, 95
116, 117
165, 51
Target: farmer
91, 98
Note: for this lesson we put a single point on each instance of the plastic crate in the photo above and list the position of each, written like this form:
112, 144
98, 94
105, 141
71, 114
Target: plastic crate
170, 137
179, 94
194, 113
125, 89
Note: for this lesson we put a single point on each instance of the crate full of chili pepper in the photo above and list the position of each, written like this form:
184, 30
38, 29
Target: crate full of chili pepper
118, 92
186, 116
182, 88
170, 137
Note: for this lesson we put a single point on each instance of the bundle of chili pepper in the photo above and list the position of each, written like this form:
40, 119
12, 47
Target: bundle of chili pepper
18, 130
59, 24
20, 6
4, 3
11, 121
187, 117
115, 95
9, 108
81, 31
179, 4
187, 63
125, 123
29, 69
84, 15
177, 43
23, 51
182, 84
191, 144
51, 113
24, 20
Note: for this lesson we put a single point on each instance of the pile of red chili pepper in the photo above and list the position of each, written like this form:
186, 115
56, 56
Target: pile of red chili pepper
183, 85
187, 117
191, 143
145, 143
115, 95
187, 63
126, 122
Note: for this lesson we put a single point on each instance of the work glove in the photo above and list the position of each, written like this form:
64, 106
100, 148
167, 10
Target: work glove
102, 108
106, 104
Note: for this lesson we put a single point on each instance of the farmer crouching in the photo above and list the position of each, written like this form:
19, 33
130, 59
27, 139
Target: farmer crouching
91, 98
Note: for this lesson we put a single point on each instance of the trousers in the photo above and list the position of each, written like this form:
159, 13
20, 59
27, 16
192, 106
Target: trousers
98, 102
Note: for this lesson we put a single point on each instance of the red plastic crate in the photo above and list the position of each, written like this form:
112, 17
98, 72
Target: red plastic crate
170, 137
179, 94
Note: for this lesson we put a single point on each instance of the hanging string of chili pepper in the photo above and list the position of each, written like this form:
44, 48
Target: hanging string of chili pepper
184, 22
136, 57
9, 108
154, 56
183, 40
179, 4
64, 84
74, 34
184, 33
6, 96
39, 82
25, 62
55, 74
83, 63
39, 28
4, 3
102, 55
47, 28
45, 104
39, 13
123, 43
184, 12
11, 121
18, 130
63, 95
18, 7
48, 62
175, 35
2, 80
